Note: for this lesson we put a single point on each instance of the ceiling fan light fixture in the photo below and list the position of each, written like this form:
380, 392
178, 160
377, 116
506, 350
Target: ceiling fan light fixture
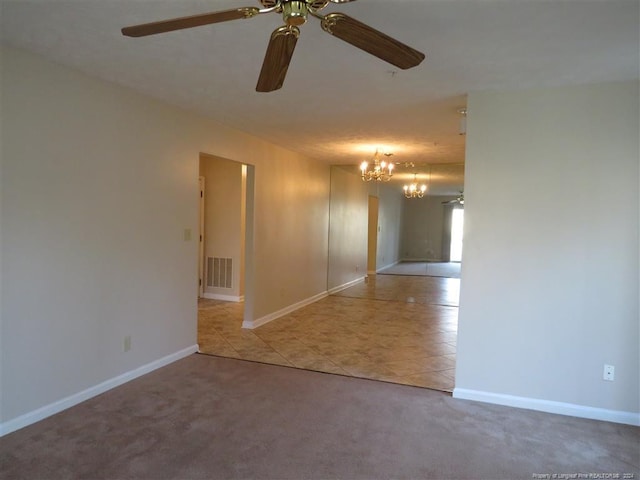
295, 12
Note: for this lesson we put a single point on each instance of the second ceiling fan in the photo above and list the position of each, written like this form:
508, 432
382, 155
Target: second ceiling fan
283, 39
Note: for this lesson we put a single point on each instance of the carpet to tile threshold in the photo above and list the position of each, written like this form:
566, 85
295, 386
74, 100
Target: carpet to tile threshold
447, 392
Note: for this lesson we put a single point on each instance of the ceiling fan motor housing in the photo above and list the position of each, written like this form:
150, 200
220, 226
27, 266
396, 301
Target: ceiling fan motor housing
314, 4
294, 12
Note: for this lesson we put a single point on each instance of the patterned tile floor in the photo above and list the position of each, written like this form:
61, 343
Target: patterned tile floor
391, 328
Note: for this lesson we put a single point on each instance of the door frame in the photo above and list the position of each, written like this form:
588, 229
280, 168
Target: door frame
372, 229
201, 186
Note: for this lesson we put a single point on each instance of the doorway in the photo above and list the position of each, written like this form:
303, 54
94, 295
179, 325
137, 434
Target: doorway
401, 312
226, 233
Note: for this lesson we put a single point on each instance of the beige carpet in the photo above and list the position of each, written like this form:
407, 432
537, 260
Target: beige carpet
214, 418
429, 269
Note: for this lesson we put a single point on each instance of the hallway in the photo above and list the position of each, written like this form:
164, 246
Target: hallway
392, 328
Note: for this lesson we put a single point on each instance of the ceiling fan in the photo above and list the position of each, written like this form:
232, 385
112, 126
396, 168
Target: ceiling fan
283, 39
457, 201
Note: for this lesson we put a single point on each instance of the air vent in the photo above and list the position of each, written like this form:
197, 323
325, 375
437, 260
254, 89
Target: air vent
219, 272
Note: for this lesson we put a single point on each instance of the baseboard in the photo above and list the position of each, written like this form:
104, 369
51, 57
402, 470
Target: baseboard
291, 308
422, 259
226, 298
387, 266
60, 405
344, 286
549, 406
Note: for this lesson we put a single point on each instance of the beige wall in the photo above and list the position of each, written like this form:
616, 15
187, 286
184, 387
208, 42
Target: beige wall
423, 228
348, 227
389, 223
291, 222
98, 185
348, 230
549, 289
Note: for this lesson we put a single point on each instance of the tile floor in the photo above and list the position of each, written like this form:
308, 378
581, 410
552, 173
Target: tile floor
391, 328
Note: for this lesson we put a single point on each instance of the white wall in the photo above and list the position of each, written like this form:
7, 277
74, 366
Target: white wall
98, 185
549, 290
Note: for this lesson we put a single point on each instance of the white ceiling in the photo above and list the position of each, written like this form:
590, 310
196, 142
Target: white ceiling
339, 103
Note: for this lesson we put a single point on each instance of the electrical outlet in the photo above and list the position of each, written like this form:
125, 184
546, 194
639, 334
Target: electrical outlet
609, 373
126, 346
357, 268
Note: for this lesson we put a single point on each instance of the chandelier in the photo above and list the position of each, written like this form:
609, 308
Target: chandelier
413, 190
381, 171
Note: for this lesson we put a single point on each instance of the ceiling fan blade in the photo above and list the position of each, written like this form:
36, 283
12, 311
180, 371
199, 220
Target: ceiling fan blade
188, 22
459, 200
276, 60
371, 40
